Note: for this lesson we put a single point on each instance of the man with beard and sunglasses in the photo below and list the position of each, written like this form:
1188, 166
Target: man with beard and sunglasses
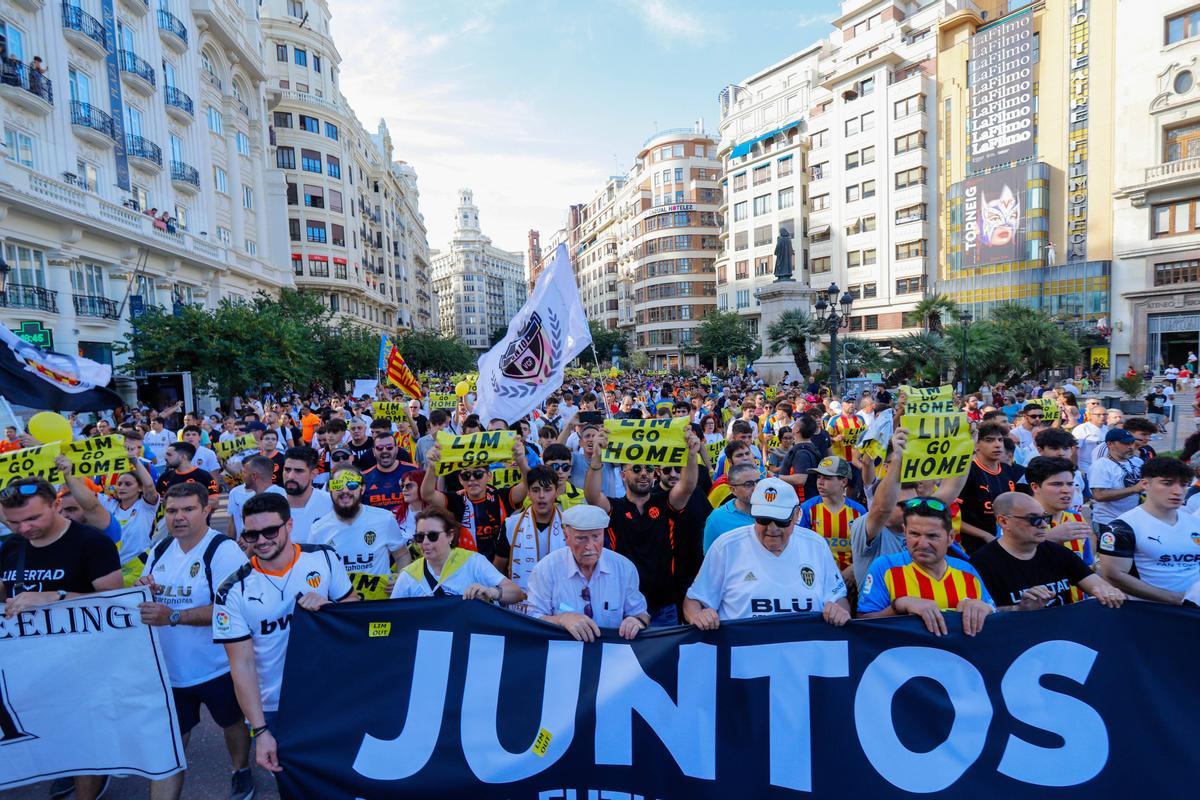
383, 480
367, 539
480, 510
644, 526
252, 611
307, 503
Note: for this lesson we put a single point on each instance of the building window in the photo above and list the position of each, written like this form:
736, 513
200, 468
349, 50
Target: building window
871, 322
861, 225
739, 211
214, 120
739, 181
285, 157
762, 204
331, 131
243, 144
868, 289
338, 235
865, 87
1183, 26
310, 124
741, 269
913, 213
318, 267
911, 141
300, 57
280, 52
910, 177
819, 203
296, 9
315, 231
1172, 272
314, 196
297, 260
868, 259
819, 265
741, 240
28, 266
743, 298
909, 105
223, 235
853, 259
762, 174
247, 198
855, 324
251, 247
219, 178
852, 193
913, 249
818, 139
817, 235
294, 230
292, 195
335, 200
1172, 219
18, 146
783, 167
310, 161
283, 119
817, 171
1182, 142
762, 235
910, 285
316, 63
335, 168
786, 197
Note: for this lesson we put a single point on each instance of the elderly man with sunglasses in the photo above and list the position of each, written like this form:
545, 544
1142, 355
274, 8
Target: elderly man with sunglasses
923, 580
770, 567
1025, 570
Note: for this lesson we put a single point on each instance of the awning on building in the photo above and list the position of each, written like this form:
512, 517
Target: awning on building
742, 149
818, 231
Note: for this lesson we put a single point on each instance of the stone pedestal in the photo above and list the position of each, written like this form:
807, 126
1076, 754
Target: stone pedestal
774, 299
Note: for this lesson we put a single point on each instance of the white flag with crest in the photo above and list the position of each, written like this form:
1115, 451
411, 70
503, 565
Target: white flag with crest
527, 365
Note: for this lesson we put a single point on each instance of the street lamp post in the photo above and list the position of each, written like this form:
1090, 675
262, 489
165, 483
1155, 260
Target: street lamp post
965, 318
832, 320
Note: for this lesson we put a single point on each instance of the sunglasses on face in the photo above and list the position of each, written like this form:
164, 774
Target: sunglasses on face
405, 487
267, 533
472, 474
638, 469
671, 470
432, 536
559, 467
1036, 520
345, 486
767, 522
342, 457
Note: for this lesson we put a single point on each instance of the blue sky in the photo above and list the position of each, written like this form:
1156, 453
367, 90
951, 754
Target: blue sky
534, 103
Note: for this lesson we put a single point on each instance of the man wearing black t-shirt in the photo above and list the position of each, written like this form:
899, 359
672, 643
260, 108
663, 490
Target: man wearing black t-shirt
987, 479
360, 445
1023, 571
642, 525
49, 559
180, 470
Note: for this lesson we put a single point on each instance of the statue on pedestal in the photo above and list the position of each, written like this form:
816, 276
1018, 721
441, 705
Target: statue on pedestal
784, 256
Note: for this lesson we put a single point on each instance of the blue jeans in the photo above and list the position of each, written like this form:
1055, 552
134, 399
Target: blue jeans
664, 617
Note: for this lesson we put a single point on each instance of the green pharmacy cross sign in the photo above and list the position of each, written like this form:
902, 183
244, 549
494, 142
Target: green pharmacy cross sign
36, 334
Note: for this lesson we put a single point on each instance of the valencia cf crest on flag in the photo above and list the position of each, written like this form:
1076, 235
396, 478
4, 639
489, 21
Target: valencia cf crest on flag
30, 376
530, 357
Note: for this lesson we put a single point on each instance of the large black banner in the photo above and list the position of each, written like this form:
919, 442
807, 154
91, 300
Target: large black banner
453, 699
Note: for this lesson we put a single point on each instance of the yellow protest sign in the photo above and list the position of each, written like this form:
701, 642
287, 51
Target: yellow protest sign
442, 400
1050, 411
100, 455
474, 450
542, 743
30, 462
939, 446
932, 393
370, 587
504, 478
225, 449
391, 411
1099, 357
715, 449
771, 392
662, 442
920, 406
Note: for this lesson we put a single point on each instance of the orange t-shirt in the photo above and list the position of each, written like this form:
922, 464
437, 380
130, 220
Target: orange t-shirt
7, 447
308, 427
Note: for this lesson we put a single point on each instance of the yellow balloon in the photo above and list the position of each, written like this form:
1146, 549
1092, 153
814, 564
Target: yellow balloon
461, 389
46, 427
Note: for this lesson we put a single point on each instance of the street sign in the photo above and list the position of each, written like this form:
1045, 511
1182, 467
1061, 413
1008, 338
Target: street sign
36, 334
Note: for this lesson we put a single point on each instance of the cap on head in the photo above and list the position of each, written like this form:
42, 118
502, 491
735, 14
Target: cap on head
584, 517
1119, 435
773, 498
834, 467
835, 406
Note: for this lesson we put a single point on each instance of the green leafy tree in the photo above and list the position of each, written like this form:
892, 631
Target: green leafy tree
920, 357
724, 335
854, 355
1035, 343
430, 351
933, 311
345, 353
792, 331
603, 339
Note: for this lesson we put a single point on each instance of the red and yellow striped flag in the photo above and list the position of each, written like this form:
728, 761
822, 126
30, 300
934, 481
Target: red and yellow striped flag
399, 375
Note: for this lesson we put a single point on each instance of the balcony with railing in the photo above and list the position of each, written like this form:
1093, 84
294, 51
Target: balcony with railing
185, 177
136, 71
25, 86
88, 305
139, 7
179, 104
92, 124
143, 152
84, 30
172, 30
31, 298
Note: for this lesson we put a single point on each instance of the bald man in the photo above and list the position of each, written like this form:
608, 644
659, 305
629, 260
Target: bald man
1024, 571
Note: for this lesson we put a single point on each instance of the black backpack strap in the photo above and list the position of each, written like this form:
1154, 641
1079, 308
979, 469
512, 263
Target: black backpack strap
209, 553
159, 549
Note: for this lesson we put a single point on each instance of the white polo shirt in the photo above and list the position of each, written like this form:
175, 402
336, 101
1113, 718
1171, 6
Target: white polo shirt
740, 578
137, 523
556, 587
238, 496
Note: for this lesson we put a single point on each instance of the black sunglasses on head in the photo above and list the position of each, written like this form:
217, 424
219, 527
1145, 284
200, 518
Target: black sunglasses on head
267, 533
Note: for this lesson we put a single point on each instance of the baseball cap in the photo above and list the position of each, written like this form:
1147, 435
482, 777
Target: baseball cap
774, 499
835, 406
1119, 435
834, 467
255, 426
584, 517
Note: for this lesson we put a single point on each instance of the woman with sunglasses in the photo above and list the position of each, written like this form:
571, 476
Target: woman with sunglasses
446, 570
409, 507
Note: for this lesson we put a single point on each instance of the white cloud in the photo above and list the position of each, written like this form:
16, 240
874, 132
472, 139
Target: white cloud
671, 20
807, 20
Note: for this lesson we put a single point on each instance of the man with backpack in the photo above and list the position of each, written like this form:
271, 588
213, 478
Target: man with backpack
182, 572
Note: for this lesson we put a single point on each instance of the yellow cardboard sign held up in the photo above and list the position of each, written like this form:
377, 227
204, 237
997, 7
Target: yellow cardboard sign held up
474, 450
370, 587
933, 393
391, 411
100, 455
1050, 410
29, 462
446, 401
715, 449
504, 478
229, 447
929, 406
939, 446
662, 442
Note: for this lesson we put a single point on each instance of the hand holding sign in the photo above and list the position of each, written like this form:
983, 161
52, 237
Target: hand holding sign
941, 446
661, 442
476, 449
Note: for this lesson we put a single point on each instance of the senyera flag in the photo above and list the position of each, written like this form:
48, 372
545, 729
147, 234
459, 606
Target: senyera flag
396, 370
37, 378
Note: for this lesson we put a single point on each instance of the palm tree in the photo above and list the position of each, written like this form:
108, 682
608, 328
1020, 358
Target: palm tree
791, 331
855, 354
932, 310
923, 357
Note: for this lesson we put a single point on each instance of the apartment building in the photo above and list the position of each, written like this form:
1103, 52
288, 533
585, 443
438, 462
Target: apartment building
594, 252
134, 109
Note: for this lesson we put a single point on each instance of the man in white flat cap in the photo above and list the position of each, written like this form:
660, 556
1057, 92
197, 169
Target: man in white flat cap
584, 587
771, 567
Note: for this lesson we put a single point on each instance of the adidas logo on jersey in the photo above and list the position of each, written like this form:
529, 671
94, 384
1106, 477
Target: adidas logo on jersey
749, 577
